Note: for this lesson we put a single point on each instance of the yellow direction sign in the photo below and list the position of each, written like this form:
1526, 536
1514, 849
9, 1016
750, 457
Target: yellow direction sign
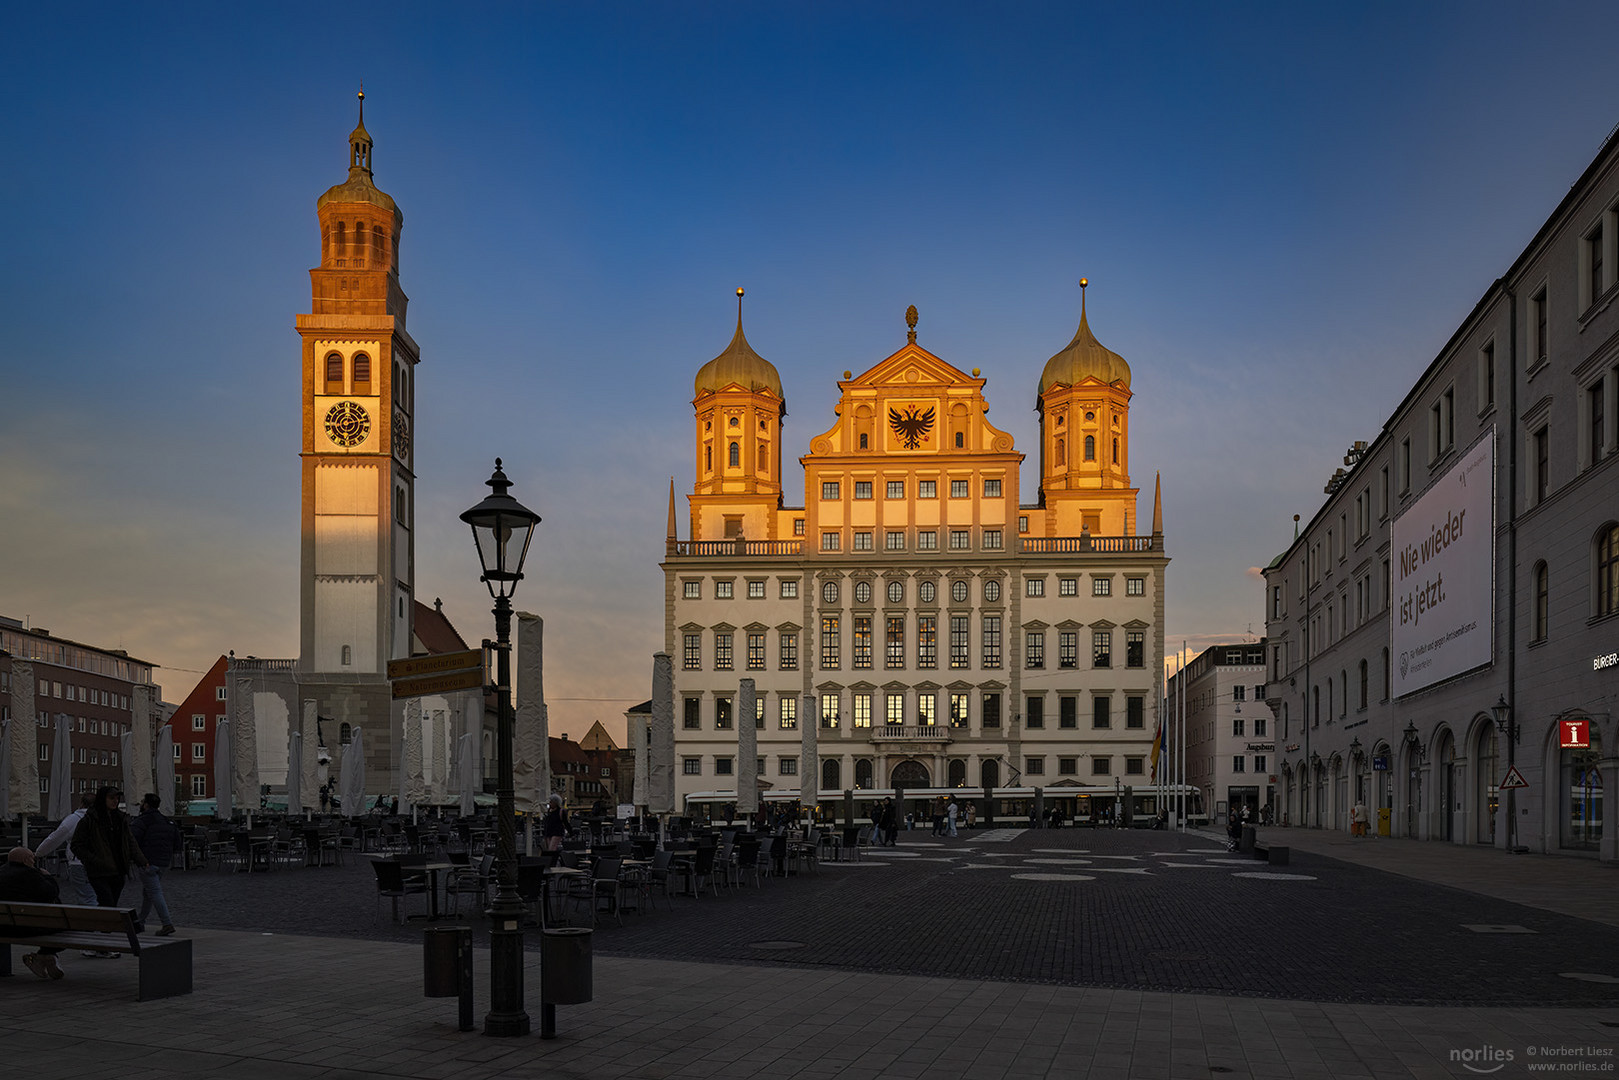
434, 665
424, 685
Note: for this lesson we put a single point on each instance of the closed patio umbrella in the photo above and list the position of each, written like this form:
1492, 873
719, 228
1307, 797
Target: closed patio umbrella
134, 785
61, 804
165, 769
5, 770
295, 772
351, 784
224, 804
467, 770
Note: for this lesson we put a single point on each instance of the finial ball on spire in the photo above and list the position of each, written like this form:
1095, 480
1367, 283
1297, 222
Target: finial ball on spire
1083, 282
739, 291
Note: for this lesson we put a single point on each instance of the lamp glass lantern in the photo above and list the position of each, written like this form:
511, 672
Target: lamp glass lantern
1502, 712
502, 528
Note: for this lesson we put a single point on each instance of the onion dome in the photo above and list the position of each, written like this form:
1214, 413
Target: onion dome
358, 188
1084, 356
738, 364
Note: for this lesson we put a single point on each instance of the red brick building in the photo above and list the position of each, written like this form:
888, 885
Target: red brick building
194, 724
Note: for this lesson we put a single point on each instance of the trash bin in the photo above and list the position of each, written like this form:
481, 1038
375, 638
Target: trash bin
1246, 844
565, 966
447, 967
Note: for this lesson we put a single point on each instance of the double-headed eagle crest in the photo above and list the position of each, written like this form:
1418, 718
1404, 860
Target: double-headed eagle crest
910, 427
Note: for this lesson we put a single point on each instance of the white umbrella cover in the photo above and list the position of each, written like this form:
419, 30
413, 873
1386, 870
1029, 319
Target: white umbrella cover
165, 769
467, 770
352, 782
295, 774
5, 769
62, 769
134, 786
224, 805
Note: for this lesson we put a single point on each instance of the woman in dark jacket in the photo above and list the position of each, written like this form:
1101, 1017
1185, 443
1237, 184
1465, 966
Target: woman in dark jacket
556, 825
158, 838
104, 844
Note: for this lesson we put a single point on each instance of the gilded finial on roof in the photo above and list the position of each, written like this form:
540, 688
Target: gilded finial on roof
910, 321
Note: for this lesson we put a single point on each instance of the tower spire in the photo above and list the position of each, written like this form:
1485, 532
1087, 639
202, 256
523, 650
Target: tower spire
671, 535
1158, 504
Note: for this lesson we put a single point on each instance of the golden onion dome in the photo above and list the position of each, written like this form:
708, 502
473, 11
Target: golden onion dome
738, 364
1083, 357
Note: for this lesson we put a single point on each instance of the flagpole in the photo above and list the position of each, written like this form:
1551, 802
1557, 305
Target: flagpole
1180, 741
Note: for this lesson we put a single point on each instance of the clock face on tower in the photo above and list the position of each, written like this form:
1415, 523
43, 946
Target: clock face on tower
347, 423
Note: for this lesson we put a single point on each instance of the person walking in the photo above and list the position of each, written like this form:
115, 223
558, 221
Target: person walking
555, 826
890, 823
106, 847
950, 814
972, 815
76, 877
158, 838
24, 883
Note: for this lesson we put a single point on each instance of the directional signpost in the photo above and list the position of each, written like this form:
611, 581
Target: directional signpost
424, 675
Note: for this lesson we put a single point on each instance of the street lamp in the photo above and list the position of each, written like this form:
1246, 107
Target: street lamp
502, 528
1507, 724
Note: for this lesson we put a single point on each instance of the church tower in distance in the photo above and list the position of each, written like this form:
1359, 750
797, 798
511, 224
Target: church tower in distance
357, 570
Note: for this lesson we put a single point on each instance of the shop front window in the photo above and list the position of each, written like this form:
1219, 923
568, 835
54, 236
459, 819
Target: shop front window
1582, 796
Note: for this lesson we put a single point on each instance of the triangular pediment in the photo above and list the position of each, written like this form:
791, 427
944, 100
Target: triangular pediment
912, 366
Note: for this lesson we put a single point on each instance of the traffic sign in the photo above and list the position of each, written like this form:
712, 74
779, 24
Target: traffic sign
1513, 779
1576, 734
424, 685
434, 665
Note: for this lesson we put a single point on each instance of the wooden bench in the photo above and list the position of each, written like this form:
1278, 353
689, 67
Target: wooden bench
1275, 854
165, 965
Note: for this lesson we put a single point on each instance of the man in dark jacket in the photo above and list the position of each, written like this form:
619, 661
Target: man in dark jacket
105, 846
23, 883
158, 838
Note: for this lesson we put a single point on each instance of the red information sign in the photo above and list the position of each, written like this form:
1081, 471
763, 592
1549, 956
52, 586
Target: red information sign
1575, 734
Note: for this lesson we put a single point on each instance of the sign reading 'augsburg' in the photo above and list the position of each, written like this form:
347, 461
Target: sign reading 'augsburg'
435, 665
437, 684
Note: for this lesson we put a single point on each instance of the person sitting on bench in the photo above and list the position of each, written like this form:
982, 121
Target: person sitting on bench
23, 882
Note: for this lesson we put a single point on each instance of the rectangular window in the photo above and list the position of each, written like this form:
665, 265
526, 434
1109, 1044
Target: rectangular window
1034, 649
992, 540
1067, 711
958, 641
927, 489
1101, 586
1101, 711
894, 706
1593, 257
831, 644
992, 641
1259, 763
896, 489
894, 540
722, 652
829, 711
992, 711
1022, 523
723, 766
691, 766
829, 489
722, 590
1537, 323
176, 751
1594, 413
862, 710
862, 541
1239, 693
831, 541
927, 540
894, 642
862, 642
756, 652
1102, 765
1101, 648
1068, 586
692, 590
199, 751
958, 489
789, 589
1135, 712
1405, 466
1239, 763
789, 651
1486, 376
1068, 648
1034, 712
927, 641
756, 589
693, 714
787, 712
1067, 766
798, 526
691, 658
958, 540
1543, 466
1034, 587
1135, 648
1135, 586
1034, 766
722, 713
958, 710
1133, 766
199, 785
862, 489
199, 722
1236, 727
992, 489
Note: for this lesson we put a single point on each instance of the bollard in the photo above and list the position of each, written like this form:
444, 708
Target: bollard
447, 966
565, 973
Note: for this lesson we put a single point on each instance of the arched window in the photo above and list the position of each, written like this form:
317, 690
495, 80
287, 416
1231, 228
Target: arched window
764, 456
1316, 690
708, 458
1538, 621
1343, 701
378, 252
1115, 451
348, 655
736, 455
341, 248
831, 775
1090, 448
1388, 675
957, 773
961, 440
864, 440
1062, 453
1607, 589
393, 253
344, 735
334, 373
1363, 683
989, 774
862, 773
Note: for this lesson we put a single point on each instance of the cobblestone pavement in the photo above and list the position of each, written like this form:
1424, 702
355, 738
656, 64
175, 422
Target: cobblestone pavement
1138, 911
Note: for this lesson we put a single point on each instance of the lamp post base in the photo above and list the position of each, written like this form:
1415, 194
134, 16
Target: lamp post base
506, 1017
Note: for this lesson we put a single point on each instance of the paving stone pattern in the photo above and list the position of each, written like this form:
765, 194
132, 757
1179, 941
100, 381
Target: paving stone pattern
1328, 931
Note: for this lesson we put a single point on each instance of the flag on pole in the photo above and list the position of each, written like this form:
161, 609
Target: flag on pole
1157, 748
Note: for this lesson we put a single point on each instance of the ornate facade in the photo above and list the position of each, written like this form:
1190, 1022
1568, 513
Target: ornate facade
934, 629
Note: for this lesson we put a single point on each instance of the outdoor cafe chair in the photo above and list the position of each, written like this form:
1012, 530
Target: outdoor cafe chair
392, 883
602, 884
747, 861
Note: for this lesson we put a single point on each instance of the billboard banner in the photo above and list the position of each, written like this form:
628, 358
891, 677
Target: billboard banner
1443, 622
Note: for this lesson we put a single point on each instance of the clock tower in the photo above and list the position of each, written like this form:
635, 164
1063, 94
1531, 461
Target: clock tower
358, 382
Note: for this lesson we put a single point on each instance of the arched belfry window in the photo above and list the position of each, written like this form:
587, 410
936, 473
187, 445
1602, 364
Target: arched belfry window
1090, 448
334, 373
378, 252
736, 455
348, 655
344, 735
764, 456
865, 441
362, 373
1062, 452
961, 440
708, 459
342, 243
1115, 451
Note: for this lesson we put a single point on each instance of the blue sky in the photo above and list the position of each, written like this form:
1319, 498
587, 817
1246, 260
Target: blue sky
1284, 211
